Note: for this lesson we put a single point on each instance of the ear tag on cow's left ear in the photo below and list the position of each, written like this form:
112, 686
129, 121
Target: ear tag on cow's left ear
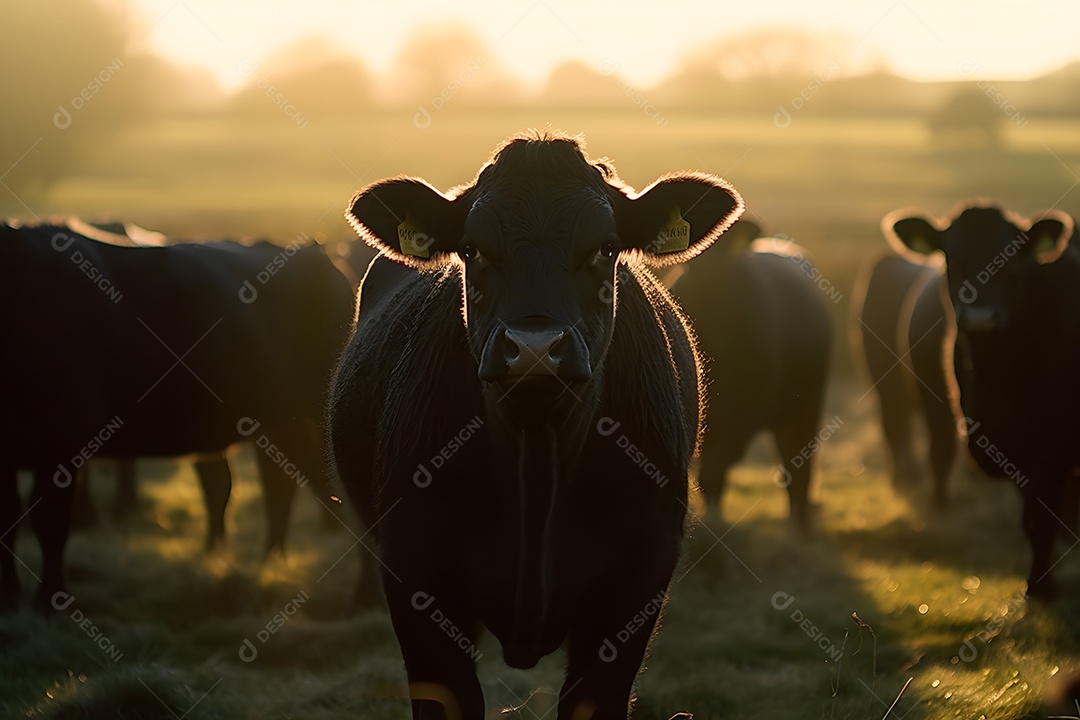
412, 241
674, 235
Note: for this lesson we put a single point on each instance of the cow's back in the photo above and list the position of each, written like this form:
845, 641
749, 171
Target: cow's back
764, 331
160, 341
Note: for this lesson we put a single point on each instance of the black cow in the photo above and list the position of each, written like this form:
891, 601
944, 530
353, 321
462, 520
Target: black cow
762, 324
1014, 284
900, 328
516, 421
159, 351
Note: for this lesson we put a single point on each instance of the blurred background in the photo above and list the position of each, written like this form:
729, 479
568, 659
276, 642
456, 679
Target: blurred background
247, 119
239, 118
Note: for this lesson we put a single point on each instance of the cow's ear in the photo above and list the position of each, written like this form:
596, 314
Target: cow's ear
677, 217
741, 235
407, 219
1050, 234
910, 233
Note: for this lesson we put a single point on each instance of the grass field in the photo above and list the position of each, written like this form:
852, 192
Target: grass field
759, 624
156, 629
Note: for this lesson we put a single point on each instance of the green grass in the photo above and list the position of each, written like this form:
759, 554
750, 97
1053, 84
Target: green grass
179, 619
922, 584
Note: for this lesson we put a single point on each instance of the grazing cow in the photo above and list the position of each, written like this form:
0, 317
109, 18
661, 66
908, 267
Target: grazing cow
159, 351
516, 421
212, 470
899, 329
1014, 285
765, 331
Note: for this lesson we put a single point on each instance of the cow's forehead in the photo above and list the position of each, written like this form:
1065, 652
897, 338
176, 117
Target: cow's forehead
531, 209
979, 230
983, 220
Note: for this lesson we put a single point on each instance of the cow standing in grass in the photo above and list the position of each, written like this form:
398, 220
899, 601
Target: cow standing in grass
484, 414
900, 329
1014, 285
158, 351
765, 332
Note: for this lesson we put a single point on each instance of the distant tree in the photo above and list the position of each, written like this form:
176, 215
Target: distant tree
967, 119
770, 52
70, 83
309, 78
575, 84
754, 70
451, 63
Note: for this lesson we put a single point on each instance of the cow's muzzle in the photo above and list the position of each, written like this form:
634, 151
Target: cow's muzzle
535, 347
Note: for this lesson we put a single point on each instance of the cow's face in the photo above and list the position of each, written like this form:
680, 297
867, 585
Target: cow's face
990, 256
539, 235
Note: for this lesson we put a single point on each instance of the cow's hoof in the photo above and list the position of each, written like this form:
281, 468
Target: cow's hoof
50, 600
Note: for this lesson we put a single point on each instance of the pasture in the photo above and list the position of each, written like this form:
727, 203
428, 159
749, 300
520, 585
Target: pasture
759, 624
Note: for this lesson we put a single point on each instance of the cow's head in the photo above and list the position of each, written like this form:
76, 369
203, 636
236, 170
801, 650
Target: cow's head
989, 257
538, 235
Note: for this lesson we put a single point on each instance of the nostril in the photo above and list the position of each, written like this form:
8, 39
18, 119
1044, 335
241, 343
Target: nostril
508, 346
530, 352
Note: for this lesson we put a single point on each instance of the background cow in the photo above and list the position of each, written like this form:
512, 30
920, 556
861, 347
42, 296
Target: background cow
160, 351
1014, 284
516, 422
899, 329
763, 326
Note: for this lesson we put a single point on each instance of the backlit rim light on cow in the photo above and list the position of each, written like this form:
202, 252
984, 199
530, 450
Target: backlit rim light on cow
647, 256
1020, 222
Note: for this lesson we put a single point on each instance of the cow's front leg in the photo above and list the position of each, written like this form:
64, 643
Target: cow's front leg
438, 643
10, 511
605, 650
50, 516
1042, 512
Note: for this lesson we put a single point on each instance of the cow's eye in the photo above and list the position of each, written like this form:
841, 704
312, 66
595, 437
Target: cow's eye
469, 252
607, 250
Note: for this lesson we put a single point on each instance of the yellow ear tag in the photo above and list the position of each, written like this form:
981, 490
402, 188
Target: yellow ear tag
673, 236
412, 241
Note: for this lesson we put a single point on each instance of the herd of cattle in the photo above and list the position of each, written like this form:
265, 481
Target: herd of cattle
515, 363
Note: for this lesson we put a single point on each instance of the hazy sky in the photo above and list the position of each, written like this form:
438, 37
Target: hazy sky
925, 39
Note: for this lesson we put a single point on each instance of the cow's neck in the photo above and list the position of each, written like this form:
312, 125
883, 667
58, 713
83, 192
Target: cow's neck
537, 449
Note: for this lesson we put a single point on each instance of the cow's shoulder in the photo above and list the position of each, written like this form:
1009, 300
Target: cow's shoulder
652, 370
